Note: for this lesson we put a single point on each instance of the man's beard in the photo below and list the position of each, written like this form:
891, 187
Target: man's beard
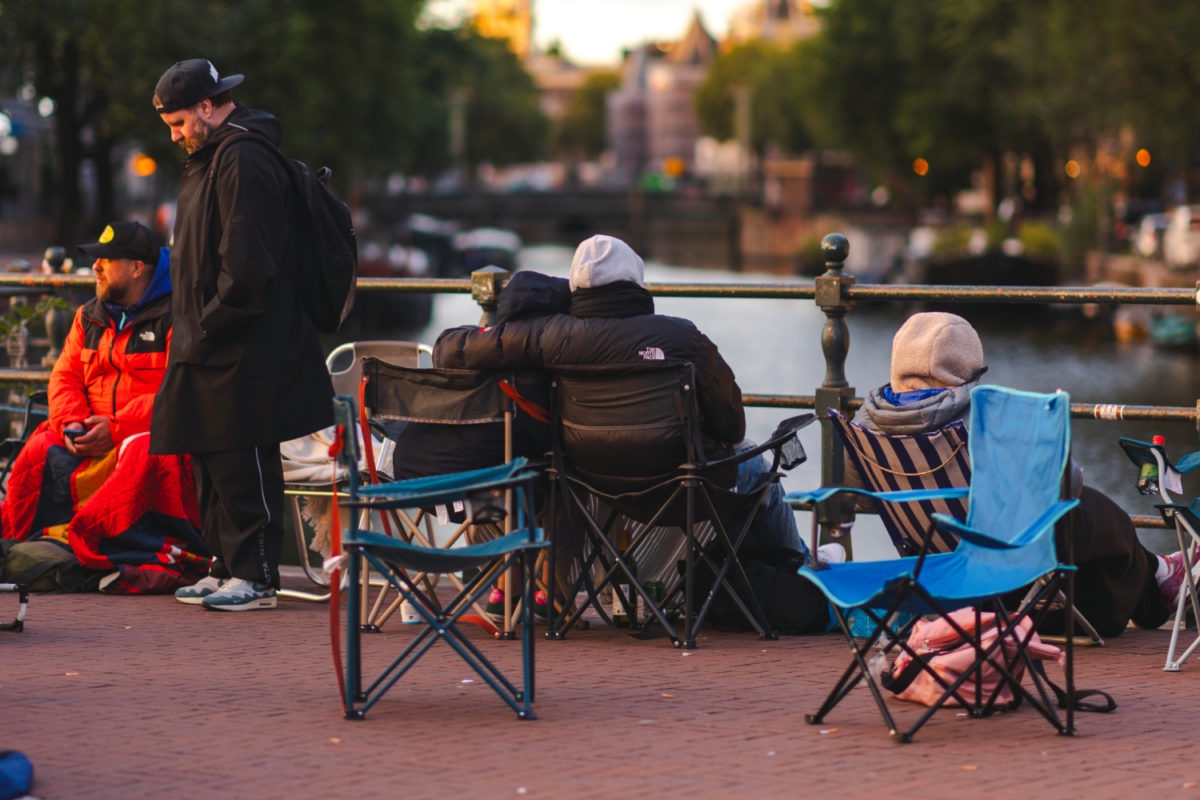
203, 133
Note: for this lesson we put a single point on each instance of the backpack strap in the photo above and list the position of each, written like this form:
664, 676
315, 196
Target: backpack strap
1103, 706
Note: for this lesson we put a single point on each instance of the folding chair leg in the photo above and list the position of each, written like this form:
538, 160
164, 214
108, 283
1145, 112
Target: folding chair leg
18, 624
441, 624
858, 670
1189, 591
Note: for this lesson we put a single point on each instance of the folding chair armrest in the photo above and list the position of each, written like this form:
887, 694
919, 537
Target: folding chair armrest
1190, 513
1140, 452
443, 488
902, 496
1042, 526
784, 433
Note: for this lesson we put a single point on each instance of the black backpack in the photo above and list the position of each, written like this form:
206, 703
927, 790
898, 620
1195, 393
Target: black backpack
324, 244
793, 605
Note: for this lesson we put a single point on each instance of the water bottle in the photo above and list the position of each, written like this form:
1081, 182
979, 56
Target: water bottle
623, 583
1148, 476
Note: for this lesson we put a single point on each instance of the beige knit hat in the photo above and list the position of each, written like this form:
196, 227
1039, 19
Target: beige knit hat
935, 350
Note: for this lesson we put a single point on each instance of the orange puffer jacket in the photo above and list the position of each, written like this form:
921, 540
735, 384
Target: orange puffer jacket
111, 373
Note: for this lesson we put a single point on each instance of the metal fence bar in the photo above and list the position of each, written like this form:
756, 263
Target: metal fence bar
834, 292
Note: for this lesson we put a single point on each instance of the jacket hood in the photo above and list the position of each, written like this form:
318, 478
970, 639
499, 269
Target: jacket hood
160, 286
241, 119
879, 414
251, 119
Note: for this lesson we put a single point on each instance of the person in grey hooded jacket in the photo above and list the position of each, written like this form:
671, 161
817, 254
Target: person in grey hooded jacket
937, 358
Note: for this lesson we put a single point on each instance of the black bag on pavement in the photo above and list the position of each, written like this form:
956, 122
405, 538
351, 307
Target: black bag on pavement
792, 605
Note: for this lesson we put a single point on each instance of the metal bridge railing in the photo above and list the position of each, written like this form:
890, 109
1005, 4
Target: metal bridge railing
834, 292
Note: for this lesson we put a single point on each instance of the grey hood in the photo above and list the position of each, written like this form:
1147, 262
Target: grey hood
928, 414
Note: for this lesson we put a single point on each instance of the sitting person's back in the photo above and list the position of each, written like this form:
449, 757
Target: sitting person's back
608, 318
937, 358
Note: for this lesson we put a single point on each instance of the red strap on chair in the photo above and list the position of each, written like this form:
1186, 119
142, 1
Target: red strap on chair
335, 577
525, 404
364, 425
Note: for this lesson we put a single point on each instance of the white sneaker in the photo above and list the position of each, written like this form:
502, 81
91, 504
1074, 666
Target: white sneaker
194, 595
238, 594
832, 553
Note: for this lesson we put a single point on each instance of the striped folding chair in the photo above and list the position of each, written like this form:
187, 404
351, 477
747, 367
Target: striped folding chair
892, 463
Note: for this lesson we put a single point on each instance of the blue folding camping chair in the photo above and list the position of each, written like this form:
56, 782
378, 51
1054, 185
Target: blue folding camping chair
490, 494
1019, 447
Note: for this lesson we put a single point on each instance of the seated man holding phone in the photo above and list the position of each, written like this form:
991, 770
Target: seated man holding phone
85, 477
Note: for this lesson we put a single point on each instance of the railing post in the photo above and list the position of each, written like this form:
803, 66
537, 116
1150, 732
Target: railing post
835, 391
485, 290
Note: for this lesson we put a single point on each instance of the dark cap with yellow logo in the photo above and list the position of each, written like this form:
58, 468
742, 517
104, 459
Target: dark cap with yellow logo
125, 240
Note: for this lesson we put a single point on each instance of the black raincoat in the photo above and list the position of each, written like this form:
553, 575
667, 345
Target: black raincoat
245, 366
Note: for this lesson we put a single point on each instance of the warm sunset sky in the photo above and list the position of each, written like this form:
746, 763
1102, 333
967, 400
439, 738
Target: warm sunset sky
594, 31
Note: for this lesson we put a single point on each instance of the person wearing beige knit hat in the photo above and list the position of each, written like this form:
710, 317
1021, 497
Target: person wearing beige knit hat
937, 359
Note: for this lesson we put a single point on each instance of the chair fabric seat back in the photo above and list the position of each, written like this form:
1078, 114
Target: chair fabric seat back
1019, 451
939, 459
628, 430
345, 361
449, 420
628, 446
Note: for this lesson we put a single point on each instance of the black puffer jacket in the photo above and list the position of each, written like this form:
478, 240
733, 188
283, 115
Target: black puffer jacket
245, 366
607, 325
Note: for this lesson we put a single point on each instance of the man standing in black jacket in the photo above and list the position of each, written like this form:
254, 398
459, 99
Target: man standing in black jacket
245, 370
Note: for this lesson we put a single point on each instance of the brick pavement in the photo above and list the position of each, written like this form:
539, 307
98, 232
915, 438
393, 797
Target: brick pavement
142, 697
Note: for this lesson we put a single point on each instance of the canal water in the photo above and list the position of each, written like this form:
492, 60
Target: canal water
774, 347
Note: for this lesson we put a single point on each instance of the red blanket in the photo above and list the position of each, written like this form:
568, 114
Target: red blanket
131, 513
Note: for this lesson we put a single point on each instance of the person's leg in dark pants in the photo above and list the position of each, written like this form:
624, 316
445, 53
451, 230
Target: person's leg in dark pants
1115, 577
241, 496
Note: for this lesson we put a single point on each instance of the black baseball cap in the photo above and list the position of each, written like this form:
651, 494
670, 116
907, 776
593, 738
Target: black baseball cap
188, 82
125, 240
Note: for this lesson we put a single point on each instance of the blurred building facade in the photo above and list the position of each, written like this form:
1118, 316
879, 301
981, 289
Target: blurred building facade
652, 123
780, 22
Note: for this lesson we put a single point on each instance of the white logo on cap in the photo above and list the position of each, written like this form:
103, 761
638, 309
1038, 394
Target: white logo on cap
213, 71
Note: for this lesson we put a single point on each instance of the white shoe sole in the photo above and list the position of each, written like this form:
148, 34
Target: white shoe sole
191, 601
252, 605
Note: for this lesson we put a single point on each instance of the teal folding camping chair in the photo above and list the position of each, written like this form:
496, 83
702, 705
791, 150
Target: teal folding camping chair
1019, 447
486, 492
1185, 519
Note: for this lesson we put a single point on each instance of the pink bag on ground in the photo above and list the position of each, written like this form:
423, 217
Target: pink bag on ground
949, 656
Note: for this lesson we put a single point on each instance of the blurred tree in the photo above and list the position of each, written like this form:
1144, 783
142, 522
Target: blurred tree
775, 82
501, 121
582, 131
349, 81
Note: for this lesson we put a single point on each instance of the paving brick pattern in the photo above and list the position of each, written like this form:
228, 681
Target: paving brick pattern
143, 697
